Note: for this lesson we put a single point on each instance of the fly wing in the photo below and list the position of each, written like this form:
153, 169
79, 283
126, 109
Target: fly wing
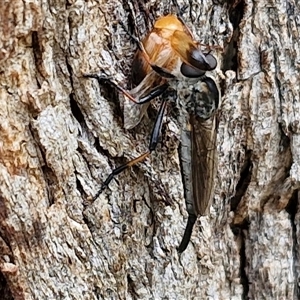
204, 125
204, 162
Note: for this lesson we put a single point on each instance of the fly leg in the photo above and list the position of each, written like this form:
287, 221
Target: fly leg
180, 11
152, 145
155, 92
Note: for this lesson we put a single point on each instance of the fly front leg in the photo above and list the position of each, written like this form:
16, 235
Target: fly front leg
152, 146
179, 12
155, 92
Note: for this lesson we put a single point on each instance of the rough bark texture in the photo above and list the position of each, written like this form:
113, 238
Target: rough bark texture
61, 135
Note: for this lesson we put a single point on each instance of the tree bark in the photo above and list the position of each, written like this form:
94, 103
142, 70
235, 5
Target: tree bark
62, 134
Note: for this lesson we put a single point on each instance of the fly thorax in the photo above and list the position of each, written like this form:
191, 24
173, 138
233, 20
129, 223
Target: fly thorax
204, 99
184, 91
200, 105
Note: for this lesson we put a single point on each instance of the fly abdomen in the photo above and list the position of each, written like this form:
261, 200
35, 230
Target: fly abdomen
186, 169
186, 172
198, 151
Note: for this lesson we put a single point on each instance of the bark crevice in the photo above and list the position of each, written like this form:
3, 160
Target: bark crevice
292, 209
244, 181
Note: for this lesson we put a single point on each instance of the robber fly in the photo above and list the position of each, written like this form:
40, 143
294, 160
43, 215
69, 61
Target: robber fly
166, 57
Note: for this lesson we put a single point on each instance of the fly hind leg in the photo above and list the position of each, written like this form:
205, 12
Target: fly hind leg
152, 146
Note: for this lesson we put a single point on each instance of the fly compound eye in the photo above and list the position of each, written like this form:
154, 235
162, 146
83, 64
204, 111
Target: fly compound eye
211, 61
200, 60
191, 72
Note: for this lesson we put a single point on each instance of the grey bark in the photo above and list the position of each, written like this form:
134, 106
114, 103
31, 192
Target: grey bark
61, 135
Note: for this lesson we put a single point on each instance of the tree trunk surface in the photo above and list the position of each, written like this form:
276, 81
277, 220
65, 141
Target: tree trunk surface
62, 134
